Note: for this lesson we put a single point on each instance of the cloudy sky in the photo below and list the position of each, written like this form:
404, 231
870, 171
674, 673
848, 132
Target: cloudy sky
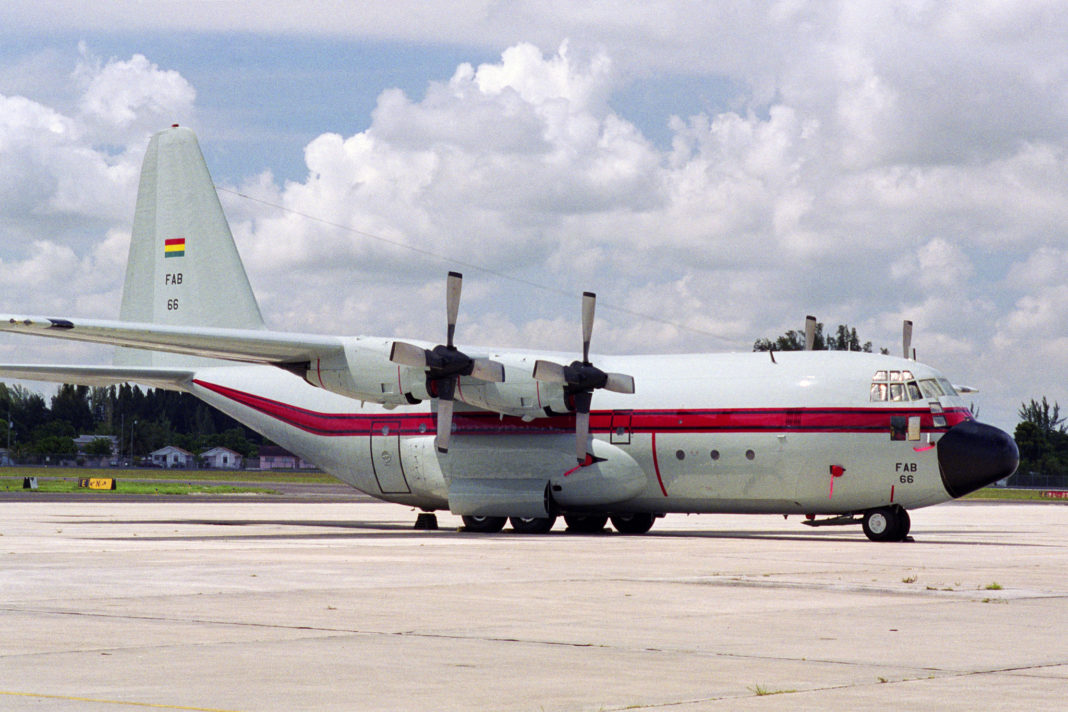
714, 170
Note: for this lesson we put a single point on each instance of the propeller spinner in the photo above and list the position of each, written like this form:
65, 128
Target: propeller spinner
445, 364
582, 378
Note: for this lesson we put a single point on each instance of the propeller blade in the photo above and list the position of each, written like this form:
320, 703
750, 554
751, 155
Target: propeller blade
407, 354
906, 338
589, 303
582, 423
486, 370
582, 432
810, 332
441, 440
549, 372
619, 383
452, 303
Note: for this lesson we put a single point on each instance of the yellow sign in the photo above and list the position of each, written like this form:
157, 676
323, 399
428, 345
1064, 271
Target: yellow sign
97, 483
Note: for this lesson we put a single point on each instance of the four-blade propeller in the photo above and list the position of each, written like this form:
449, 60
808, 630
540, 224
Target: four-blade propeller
445, 364
582, 378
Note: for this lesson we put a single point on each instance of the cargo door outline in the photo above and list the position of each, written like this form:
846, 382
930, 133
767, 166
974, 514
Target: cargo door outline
619, 428
386, 457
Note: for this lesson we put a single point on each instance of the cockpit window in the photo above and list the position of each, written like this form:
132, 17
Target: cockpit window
947, 387
898, 386
930, 388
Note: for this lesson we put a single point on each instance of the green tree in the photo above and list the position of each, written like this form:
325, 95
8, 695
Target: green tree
844, 339
54, 445
98, 447
71, 404
1042, 439
1046, 418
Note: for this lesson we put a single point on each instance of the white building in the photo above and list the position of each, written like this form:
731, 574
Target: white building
221, 458
273, 457
172, 456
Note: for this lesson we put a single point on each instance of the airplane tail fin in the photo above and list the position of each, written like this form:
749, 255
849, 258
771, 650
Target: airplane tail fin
183, 269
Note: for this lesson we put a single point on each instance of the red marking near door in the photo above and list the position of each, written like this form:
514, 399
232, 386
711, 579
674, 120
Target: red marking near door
891, 494
656, 467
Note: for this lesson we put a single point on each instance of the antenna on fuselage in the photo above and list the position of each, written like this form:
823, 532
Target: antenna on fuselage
810, 332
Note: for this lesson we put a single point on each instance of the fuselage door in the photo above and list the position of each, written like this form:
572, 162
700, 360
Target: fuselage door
386, 457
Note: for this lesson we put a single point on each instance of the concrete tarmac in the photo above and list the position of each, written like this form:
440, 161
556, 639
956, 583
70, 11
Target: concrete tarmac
245, 606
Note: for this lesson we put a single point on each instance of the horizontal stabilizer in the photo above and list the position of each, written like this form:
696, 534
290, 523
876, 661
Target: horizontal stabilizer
166, 378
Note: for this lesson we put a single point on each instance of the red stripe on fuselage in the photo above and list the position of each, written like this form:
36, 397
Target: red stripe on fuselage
725, 420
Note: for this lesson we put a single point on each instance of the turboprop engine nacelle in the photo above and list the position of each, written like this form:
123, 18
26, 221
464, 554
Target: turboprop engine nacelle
518, 395
363, 371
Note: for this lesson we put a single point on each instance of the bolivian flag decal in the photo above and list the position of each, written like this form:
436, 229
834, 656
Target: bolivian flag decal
174, 247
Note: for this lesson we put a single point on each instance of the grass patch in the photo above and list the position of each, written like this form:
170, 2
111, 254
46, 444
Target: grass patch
761, 691
65, 486
993, 586
1012, 495
253, 476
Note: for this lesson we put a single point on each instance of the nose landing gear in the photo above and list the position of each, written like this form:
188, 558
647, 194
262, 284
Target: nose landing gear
886, 524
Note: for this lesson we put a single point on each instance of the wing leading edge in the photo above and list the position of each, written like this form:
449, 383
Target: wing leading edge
247, 345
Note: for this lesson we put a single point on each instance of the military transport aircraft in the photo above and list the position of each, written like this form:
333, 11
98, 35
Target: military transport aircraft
498, 435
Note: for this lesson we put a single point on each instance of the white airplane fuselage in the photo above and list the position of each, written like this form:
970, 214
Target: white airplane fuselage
709, 433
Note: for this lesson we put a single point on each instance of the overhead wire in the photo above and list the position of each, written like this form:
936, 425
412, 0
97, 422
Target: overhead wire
467, 265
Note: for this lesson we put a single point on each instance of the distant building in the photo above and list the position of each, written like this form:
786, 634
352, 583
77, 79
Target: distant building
273, 457
5, 458
172, 456
82, 440
221, 458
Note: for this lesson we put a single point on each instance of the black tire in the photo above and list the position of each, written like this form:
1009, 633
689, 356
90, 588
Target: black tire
532, 525
633, 523
483, 525
904, 524
585, 523
885, 524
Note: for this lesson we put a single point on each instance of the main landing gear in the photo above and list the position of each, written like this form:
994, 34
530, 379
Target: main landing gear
532, 525
483, 525
577, 523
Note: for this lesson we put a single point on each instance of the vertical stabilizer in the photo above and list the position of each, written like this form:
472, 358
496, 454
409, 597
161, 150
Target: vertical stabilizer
183, 269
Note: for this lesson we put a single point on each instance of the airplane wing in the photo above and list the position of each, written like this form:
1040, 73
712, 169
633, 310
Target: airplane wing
248, 345
166, 378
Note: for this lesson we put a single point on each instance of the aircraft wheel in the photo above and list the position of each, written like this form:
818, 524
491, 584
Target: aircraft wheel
886, 524
633, 523
483, 525
904, 524
532, 525
585, 523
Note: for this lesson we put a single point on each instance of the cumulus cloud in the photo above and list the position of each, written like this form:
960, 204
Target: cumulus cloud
127, 100
814, 202
879, 162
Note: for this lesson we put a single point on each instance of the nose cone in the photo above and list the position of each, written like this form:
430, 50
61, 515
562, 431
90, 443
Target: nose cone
973, 455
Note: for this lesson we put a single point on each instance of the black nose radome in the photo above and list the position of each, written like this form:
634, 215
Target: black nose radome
973, 455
